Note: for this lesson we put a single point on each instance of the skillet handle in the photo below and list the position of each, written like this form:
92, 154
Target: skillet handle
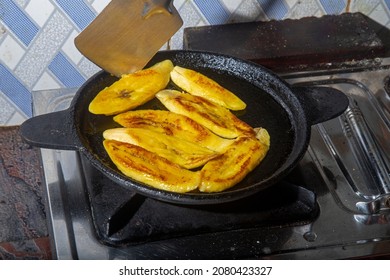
53, 131
321, 103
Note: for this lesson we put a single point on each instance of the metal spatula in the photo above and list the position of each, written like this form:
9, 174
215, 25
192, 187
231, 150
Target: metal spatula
128, 33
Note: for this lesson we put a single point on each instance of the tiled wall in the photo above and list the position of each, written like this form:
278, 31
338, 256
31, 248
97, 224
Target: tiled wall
36, 37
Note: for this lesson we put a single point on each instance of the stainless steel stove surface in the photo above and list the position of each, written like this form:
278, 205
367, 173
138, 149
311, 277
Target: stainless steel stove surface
335, 204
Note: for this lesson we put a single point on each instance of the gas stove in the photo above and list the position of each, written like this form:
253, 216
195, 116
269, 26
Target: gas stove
335, 204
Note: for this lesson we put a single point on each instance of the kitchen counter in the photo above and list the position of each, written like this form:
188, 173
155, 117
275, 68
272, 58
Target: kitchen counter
23, 228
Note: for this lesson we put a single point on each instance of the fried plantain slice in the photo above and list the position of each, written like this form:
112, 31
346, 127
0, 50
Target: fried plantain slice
185, 153
209, 114
175, 125
198, 84
132, 90
231, 167
151, 169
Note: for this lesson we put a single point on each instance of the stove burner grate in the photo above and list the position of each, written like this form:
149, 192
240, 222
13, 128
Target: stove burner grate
122, 217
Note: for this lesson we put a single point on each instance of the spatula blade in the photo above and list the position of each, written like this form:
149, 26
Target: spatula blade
128, 33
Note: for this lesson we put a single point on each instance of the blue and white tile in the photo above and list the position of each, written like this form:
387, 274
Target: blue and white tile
232, 5
214, 12
191, 17
46, 81
36, 37
78, 11
334, 7
7, 110
43, 49
301, 9
99, 5
18, 22
381, 14
22, 3
247, 11
276, 9
86, 68
365, 6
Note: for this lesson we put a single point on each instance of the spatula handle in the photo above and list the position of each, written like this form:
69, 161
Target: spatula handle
157, 7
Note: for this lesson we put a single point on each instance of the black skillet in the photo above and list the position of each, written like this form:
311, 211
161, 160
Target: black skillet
287, 113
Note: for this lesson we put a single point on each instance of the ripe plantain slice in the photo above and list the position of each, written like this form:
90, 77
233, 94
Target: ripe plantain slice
175, 125
231, 167
151, 169
132, 90
209, 114
185, 153
198, 84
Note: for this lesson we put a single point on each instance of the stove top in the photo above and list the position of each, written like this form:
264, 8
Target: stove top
335, 204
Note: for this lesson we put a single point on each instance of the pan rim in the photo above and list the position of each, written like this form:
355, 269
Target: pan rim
207, 198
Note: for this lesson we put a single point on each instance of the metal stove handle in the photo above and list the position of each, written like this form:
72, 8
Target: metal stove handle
357, 128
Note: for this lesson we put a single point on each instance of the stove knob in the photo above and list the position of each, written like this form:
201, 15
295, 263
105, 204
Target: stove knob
310, 236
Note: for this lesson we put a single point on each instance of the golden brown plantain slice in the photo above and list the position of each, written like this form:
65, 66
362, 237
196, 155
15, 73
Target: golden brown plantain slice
231, 167
198, 84
185, 153
175, 125
213, 116
151, 169
132, 90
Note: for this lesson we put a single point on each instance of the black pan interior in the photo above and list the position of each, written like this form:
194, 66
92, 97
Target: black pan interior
270, 104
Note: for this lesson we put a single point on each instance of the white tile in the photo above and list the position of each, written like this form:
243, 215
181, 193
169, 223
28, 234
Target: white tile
364, 7
46, 82
88, 68
291, 3
70, 49
319, 13
40, 11
247, 11
99, 5
379, 15
16, 119
3, 30
179, 3
190, 17
303, 9
11, 52
6, 109
231, 5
